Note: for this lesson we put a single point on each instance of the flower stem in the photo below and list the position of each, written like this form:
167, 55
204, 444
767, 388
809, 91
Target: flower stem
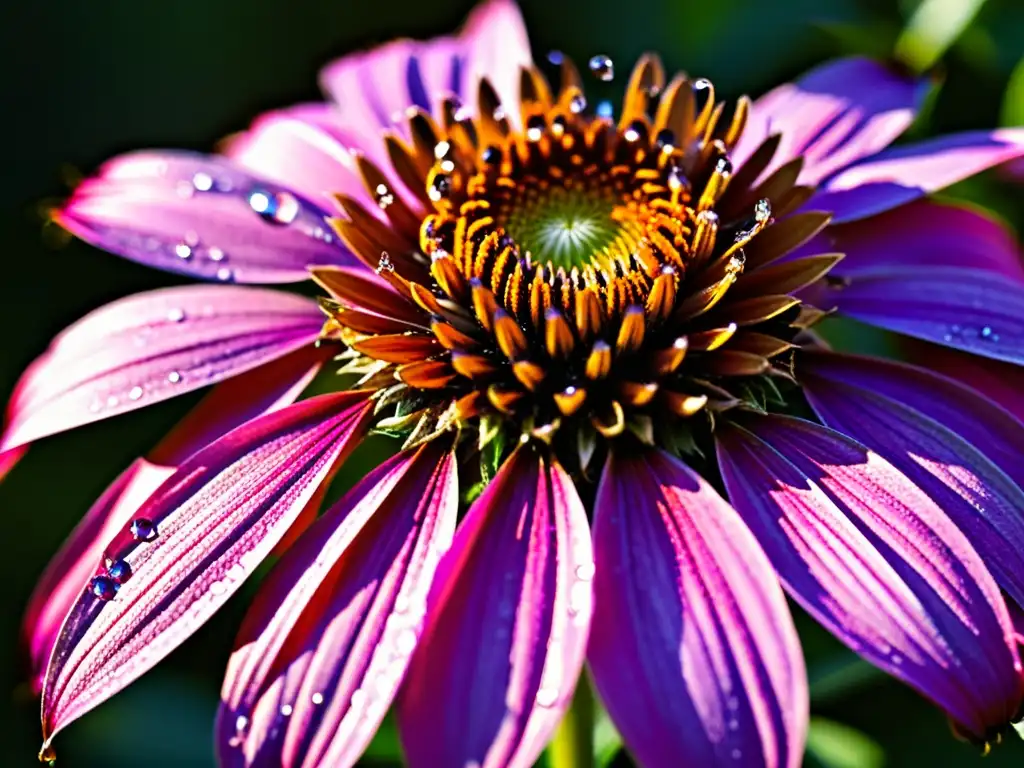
573, 745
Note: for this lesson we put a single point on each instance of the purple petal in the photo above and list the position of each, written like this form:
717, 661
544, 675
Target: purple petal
507, 624
198, 537
834, 115
229, 405
693, 649
987, 426
870, 556
150, 347
923, 234
981, 499
967, 309
902, 174
326, 644
374, 89
1002, 383
201, 216
309, 150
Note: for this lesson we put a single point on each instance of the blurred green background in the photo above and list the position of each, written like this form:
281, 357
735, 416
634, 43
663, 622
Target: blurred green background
85, 80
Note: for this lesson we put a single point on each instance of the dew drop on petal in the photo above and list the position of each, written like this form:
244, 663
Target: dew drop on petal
143, 529
135, 393
174, 377
585, 572
605, 109
216, 254
202, 181
286, 710
274, 207
103, 587
547, 696
556, 57
577, 103
119, 571
603, 67
317, 698
224, 274
405, 642
176, 314
183, 251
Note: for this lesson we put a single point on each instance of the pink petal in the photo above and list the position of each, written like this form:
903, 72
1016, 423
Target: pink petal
968, 309
922, 234
213, 522
153, 346
326, 644
983, 501
230, 404
902, 174
872, 558
507, 625
1002, 383
692, 649
374, 89
309, 149
834, 115
197, 215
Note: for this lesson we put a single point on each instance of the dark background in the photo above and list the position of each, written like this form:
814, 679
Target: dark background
83, 80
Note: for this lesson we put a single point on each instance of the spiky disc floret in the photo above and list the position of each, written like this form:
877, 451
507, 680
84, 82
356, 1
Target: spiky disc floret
573, 277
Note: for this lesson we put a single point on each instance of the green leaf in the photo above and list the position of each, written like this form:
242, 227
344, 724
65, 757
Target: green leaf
385, 746
835, 745
840, 676
932, 29
1013, 101
607, 740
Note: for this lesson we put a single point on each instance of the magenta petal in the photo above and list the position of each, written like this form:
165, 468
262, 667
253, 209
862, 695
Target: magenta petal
967, 309
507, 625
197, 215
981, 499
327, 641
206, 530
834, 115
901, 174
871, 557
153, 346
374, 89
9, 458
230, 404
692, 648
923, 234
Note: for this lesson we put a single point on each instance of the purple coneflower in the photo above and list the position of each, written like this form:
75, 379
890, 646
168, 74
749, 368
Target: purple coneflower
593, 332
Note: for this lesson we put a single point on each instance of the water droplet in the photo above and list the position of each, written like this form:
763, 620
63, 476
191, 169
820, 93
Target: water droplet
135, 393
176, 314
499, 113
491, 155
183, 251
385, 265
701, 84
143, 529
723, 166
286, 710
986, 332
384, 196
737, 754
358, 698
224, 274
535, 128
441, 150
119, 571
274, 207
762, 210
103, 587
405, 642
631, 133
732, 703
216, 254
585, 572
241, 726
440, 187
112, 401
674, 178
603, 67
547, 696
577, 103
734, 724
317, 698
192, 238
605, 109
174, 377
556, 58
218, 588
666, 139
896, 659
202, 181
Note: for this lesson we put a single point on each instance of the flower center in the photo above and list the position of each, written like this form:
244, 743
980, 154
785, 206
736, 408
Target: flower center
575, 278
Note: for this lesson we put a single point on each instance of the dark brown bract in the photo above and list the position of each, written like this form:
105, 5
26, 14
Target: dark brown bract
575, 277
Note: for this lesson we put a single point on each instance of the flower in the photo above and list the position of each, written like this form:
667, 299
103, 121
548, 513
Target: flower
595, 331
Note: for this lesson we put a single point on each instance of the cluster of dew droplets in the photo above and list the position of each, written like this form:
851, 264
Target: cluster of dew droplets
117, 569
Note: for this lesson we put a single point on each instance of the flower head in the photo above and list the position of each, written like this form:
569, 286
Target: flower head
598, 330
